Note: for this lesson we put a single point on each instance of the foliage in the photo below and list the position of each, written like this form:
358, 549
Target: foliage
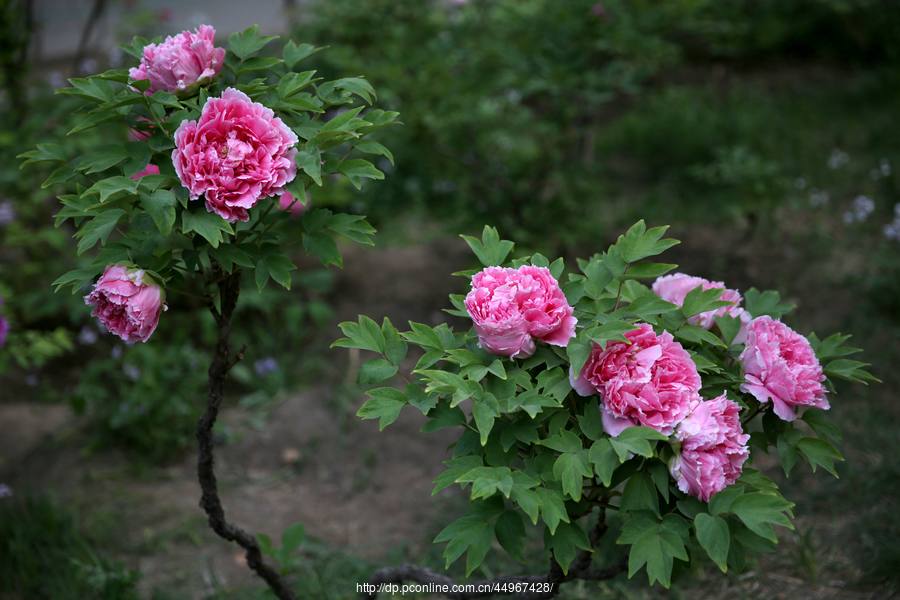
532, 451
142, 399
150, 221
508, 104
43, 555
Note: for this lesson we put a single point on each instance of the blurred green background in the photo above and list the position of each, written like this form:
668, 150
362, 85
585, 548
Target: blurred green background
765, 132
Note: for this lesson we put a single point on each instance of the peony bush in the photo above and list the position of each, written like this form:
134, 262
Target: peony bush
193, 178
615, 400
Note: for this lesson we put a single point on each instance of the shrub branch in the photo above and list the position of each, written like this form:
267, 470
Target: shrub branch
222, 362
580, 569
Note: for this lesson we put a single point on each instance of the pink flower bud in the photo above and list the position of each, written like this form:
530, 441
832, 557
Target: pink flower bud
513, 307
127, 302
180, 61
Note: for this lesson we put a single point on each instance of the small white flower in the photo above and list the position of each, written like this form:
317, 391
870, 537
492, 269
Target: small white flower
838, 159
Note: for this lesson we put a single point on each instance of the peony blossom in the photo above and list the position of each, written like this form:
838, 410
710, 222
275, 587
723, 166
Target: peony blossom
781, 366
649, 381
180, 61
150, 169
127, 302
513, 307
713, 449
674, 288
288, 203
235, 154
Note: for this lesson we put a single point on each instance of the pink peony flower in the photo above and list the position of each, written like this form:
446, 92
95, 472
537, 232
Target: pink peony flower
780, 365
4, 330
127, 302
513, 307
650, 381
180, 61
713, 449
235, 154
674, 288
288, 203
150, 169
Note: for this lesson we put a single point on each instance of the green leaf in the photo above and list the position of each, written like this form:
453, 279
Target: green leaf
636, 440
77, 278
292, 83
832, 347
456, 467
570, 469
292, 537
721, 502
373, 147
102, 158
640, 494
766, 303
649, 270
323, 247
590, 423
510, 532
714, 537
490, 250
660, 476
258, 63
383, 404
364, 335
655, 544
729, 327
698, 335
294, 53
357, 169
112, 186
309, 160
484, 413
565, 543
614, 330
525, 496
553, 508
98, 229
209, 226
443, 416
820, 453
604, 459
375, 371
639, 242
43, 153
699, 300
160, 205
850, 370
487, 481
246, 43
760, 511
275, 265
469, 535
564, 441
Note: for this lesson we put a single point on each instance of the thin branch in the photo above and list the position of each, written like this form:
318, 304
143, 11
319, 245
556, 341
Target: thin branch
222, 362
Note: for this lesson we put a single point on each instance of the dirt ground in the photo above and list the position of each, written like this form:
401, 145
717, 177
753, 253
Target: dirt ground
351, 486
